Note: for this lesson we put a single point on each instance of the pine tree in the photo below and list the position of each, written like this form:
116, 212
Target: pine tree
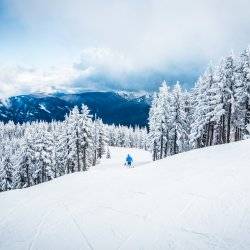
155, 126
165, 102
25, 164
86, 139
6, 168
73, 140
108, 155
179, 125
227, 79
242, 93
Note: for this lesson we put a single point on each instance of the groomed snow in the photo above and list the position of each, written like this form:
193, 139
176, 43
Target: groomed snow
195, 200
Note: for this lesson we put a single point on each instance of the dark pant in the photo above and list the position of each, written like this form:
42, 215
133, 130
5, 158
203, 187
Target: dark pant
129, 163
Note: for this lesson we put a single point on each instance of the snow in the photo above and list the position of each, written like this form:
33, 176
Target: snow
194, 200
131, 95
44, 108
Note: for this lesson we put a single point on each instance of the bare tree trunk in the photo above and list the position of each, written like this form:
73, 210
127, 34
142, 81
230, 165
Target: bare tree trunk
95, 158
43, 172
236, 134
166, 146
229, 122
211, 135
207, 134
240, 134
223, 137
154, 152
78, 152
175, 142
247, 116
161, 149
68, 166
28, 175
198, 143
84, 159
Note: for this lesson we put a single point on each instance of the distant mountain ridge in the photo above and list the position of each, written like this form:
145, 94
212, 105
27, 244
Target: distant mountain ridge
125, 108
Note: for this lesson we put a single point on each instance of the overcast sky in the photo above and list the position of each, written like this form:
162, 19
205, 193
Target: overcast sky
71, 45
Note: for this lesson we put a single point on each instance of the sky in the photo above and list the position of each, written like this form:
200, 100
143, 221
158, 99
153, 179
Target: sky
76, 45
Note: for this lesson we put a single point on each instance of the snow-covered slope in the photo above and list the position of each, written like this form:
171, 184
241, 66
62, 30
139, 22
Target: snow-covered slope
195, 200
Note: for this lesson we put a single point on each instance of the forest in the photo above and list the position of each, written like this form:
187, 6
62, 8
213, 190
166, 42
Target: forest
215, 111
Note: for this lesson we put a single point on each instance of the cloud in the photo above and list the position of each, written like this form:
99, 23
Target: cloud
162, 28
20, 80
95, 69
121, 44
114, 70
105, 59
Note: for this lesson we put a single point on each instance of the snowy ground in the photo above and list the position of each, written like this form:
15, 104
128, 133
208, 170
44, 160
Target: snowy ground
195, 200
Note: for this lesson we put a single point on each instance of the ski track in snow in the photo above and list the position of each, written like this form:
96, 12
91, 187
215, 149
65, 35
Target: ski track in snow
187, 207
12, 211
38, 230
195, 200
78, 227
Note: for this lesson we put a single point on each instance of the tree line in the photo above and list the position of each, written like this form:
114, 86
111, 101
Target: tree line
215, 111
32, 153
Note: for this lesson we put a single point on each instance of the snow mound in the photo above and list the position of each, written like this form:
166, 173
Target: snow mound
195, 200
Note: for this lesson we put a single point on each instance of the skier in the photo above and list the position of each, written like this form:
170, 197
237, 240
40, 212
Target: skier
129, 160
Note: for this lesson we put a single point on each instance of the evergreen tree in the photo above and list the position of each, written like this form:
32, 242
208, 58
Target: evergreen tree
179, 129
6, 168
242, 94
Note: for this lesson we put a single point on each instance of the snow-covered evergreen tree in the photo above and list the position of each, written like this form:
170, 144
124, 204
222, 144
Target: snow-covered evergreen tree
179, 131
242, 95
86, 138
155, 126
6, 168
168, 121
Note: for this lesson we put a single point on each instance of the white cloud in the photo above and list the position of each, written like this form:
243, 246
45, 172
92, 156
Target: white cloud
121, 38
92, 62
147, 30
19, 80
105, 59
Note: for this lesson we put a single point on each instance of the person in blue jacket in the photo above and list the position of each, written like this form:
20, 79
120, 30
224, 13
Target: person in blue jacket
129, 160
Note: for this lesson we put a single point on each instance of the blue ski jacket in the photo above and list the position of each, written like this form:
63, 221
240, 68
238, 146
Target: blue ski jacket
129, 159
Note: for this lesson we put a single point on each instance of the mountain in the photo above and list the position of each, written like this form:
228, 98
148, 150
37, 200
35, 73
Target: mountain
118, 108
194, 200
